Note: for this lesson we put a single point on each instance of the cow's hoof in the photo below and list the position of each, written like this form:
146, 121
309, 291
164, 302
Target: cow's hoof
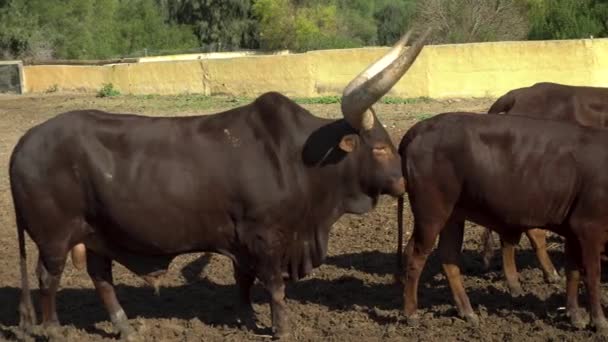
126, 331
281, 334
413, 320
578, 319
515, 290
131, 336
601, 327
602, 331
246, 319
553, 278
51, 324
472, 319
27, 317
52, 329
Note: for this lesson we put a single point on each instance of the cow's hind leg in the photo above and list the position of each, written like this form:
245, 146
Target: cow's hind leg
592, 267
508, 242
538, 239
487, 251
432, 211
100, 271
573, 266
417, 251
51, 263
450, 245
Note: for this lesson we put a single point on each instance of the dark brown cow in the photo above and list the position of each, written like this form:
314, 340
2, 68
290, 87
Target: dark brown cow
261, 184
497, 171
587, 106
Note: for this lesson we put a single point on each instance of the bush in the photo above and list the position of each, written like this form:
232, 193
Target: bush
108, 90
568, 19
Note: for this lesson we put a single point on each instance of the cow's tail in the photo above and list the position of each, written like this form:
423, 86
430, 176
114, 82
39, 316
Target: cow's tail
400, 203
26, 307
503, 104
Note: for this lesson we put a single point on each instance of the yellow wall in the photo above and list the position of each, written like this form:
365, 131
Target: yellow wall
441, 71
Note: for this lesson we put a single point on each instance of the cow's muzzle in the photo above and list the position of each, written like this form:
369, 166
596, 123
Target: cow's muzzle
397, 188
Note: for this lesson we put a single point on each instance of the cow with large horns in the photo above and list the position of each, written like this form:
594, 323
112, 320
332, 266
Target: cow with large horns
261, 184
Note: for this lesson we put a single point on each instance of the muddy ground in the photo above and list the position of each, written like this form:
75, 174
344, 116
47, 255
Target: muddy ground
351, 297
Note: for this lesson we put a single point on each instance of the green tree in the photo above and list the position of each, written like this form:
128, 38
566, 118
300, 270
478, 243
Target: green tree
392, 19
309, 26
568, 19
19, 32
276, 23
83, 29
141, 25
220, 24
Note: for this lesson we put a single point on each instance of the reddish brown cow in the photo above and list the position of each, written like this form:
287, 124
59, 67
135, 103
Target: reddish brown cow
587, 106
497, 171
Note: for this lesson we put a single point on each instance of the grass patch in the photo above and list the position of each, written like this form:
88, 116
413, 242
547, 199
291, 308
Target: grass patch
187, 101
108, 90
404, 100
422, 116
318, 100
384, 100
52, 89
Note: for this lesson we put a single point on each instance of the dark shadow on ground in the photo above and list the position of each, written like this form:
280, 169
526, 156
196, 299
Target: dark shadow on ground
381, 263
215, 304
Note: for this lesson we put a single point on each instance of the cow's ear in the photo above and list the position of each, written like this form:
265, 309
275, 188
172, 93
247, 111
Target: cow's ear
349, 142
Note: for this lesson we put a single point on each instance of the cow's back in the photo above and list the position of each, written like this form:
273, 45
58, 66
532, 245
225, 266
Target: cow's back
580, 104
155, 183
502, 165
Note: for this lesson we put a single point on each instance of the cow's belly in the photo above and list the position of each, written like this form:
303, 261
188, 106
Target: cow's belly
163, 231
523, 206
534, 187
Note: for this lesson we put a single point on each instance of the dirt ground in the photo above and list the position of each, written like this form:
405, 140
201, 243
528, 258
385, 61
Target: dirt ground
351, 297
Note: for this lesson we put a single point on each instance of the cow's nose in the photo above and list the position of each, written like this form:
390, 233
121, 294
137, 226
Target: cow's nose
399, 187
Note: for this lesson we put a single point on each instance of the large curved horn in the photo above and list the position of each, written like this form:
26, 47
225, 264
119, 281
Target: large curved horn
375, 81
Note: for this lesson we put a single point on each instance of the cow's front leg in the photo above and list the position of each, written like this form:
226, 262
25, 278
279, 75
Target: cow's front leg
244, 281
275, 285
508, 242
100, 271
450, 245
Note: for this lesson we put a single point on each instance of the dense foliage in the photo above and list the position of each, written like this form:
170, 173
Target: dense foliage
91, 29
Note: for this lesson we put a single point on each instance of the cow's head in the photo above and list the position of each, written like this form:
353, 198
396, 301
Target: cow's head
380, 167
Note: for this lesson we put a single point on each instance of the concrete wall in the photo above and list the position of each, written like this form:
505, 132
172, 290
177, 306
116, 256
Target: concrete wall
441, 71
208, 55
